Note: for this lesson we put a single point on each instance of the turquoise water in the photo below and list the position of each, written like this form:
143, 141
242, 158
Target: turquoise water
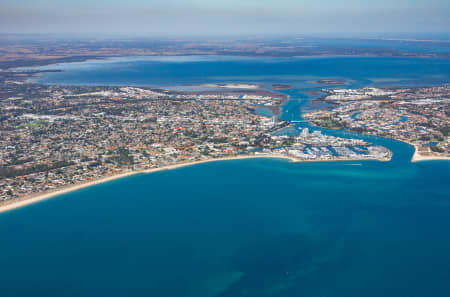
261, 227
239, 228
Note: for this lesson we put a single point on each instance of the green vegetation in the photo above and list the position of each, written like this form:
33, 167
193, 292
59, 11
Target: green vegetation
11, 172
36, 124
436, 149
445, 130
329, 123
20, 161
122, 156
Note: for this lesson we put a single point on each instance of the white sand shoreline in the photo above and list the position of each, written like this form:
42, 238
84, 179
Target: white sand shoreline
417, 157
38, 197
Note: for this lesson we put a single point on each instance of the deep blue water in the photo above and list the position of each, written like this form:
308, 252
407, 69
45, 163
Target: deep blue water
244, 228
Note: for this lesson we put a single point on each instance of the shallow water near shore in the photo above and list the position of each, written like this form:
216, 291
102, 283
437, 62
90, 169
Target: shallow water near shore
259, 227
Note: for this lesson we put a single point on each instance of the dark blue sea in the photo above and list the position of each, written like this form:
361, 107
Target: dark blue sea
256, 228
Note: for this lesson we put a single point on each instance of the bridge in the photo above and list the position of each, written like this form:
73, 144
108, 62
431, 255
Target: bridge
297, 122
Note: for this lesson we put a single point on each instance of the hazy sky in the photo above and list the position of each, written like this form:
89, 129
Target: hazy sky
223, 16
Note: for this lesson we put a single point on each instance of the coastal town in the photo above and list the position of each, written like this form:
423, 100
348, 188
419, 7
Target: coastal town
417, 115
59, 136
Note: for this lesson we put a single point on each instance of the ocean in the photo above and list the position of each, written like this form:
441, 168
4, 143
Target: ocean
256, 228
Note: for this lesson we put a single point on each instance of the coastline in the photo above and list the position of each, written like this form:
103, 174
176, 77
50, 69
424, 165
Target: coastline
38, 197
417, 157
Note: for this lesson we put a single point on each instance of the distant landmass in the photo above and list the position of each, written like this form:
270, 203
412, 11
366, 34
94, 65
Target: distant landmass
281, 87
34, 50
330, 82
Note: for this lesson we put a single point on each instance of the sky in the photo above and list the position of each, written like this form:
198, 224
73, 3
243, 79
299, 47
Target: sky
197, 17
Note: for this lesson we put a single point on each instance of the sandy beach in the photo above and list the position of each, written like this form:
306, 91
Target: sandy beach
38, 197
417, 157
235, 86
